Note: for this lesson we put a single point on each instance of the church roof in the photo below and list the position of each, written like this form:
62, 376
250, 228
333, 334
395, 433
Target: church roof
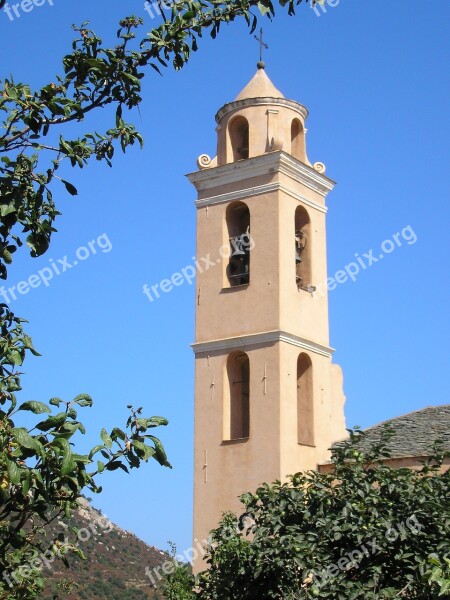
259, 86
414, 433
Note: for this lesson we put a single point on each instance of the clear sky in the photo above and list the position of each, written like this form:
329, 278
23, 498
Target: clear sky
374, 76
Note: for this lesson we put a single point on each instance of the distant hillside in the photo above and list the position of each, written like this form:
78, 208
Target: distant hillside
115, 565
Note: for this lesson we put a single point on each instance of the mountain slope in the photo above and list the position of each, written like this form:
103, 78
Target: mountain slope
115, 565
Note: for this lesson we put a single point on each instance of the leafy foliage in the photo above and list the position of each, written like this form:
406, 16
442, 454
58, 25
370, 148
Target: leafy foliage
42, 478
437, 574
93, 77
363, 530
41, 475
177, 584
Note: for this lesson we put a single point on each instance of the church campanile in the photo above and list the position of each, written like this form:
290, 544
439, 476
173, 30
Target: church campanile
268, 400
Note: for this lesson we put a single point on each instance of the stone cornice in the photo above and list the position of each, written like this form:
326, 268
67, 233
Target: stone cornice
257, 191
272, 162
267, 337
236, 104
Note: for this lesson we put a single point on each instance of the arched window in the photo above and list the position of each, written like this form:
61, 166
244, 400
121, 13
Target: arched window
238, 228
298, 140
239, 138
305, 405
303, 253
237, 400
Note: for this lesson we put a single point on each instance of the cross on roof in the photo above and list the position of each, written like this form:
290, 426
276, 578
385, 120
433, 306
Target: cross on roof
262, 45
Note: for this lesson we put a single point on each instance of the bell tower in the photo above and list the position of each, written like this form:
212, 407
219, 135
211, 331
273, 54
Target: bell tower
268, 400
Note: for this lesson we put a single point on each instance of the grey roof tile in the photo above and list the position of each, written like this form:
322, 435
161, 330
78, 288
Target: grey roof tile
415, 432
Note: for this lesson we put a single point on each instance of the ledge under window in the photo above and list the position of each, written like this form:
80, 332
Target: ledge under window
236, 441
227, 290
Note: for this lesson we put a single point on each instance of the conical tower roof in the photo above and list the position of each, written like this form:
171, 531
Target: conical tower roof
259, 86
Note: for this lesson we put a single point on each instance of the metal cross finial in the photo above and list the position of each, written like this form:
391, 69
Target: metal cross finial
262, 45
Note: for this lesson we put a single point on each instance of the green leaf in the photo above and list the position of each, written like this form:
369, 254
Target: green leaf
27, 342
95, 449
7, 256
142, 423
68, 463
37, 408
14, 471
116, 464
26, 484
106, 438
39, 243
147, 451
157, 421
72, 413
160, 453
68, 429
83, 400
17, 357
118, 433
7, 209
24, 439
81, 458
70, 188
52, 422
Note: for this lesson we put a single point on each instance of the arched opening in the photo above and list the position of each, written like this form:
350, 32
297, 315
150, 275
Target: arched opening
305, 405
238, 228
303, 248
237, 409
298, 140
239, 138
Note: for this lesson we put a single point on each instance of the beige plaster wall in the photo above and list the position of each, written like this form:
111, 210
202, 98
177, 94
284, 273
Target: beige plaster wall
269, 127
233, 467
271, 302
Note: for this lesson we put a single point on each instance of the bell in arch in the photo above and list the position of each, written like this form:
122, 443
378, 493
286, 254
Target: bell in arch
300, 245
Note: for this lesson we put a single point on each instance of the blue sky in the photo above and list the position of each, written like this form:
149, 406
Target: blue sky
375, 78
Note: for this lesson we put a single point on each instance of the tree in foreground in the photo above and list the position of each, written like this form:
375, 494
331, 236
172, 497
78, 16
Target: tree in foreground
42, 478
364, 530
177, 581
